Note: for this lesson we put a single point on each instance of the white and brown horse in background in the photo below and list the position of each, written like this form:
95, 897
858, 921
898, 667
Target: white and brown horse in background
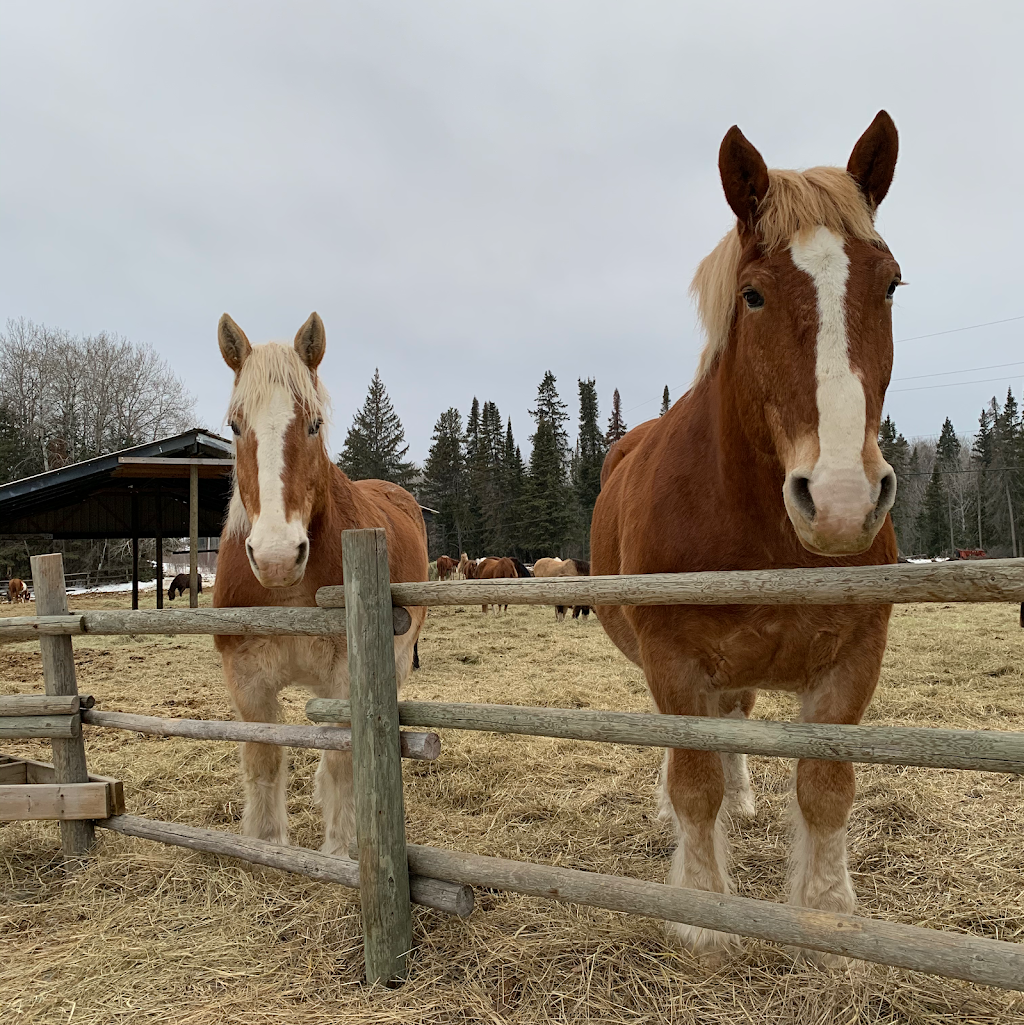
770, 460
555, 567
282, 541
16, 590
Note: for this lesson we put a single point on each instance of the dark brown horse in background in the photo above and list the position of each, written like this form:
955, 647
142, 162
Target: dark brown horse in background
181, 583
771, 460
281, 542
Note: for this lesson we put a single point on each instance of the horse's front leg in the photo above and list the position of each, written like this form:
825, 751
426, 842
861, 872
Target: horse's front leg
694, 787
253, 691
739, 795
819, 873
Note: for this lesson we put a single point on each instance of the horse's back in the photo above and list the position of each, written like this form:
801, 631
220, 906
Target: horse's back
387, 505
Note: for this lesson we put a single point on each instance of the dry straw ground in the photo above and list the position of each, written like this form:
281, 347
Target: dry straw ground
154, 934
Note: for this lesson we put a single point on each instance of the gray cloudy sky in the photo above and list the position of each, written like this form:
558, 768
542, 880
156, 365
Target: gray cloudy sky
471, 193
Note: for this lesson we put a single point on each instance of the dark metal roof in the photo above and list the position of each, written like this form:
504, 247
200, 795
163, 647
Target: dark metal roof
101, 497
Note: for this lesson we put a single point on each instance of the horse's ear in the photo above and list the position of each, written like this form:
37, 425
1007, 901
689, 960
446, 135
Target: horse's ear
873, 160
744, 176
310, 341
234, 346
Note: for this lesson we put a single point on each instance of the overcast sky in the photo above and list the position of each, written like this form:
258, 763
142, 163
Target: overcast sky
472, 193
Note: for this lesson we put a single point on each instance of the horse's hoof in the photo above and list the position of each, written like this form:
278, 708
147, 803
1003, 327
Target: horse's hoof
336, 848
711, 947
823, 960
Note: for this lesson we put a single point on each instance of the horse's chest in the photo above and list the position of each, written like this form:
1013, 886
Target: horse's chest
279, 662
777, 647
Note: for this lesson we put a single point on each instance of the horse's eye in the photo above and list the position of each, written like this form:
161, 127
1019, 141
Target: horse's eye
894, 284
314, 427
235, 427
753, 298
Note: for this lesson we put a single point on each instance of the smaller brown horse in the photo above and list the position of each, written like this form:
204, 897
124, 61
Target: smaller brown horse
491, 569
16, 590
180, 584
446, 567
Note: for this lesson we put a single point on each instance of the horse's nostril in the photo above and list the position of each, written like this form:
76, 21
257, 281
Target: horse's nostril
303, 550
249, 552
800, 496
886, 493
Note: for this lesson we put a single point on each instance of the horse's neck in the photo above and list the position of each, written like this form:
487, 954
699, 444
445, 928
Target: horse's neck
336, 507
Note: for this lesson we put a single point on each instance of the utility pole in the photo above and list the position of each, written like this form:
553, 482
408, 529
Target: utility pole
949, 513
1013, 529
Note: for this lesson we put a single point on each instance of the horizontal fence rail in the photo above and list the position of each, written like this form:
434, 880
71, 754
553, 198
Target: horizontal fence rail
454, 898
955, 955
417, 746
260, 621
40, 727
987, 750
43, 704
988, 581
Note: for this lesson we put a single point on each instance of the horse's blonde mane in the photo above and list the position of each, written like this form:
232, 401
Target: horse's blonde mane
796, 202
272, 366
266, 368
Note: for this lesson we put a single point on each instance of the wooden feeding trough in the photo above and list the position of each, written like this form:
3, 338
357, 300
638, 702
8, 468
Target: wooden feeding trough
31, 790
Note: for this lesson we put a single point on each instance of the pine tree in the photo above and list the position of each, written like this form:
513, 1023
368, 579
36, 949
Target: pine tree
616, 425
590, 452
375, 444
515, 495
444, 482
548, 508
933, 519
473, 540
665, 402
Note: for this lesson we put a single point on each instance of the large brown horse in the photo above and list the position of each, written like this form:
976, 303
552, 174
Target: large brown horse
281, 541
491, 569
770, 460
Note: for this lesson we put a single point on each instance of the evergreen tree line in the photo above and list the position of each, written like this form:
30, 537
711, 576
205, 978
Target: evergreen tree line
961, 491
489, 498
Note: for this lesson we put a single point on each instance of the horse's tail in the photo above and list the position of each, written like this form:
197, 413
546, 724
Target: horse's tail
521, 570
582, 567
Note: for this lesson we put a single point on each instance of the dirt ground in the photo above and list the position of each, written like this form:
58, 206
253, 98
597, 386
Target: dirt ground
154, 934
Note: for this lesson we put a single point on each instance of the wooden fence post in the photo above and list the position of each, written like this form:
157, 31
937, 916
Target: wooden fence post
376, 759
77, 836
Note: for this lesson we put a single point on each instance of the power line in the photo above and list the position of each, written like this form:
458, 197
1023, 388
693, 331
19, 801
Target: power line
955, 330
969, 370
951, 384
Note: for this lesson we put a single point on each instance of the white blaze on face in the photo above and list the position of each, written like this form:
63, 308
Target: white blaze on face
274, 540
838, 483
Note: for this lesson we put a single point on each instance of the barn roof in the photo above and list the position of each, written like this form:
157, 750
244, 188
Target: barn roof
141, 491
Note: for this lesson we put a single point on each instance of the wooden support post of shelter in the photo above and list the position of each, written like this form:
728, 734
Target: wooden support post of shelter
193, 535
376, 759
77, 836
135, 549
158, 545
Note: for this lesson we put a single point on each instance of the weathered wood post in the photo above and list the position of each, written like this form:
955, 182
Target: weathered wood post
376, 758
193, 536
77, 836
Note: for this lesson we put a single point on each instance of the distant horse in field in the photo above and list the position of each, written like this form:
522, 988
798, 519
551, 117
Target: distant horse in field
282, 541
771, 460
446, 567
492, 569
556, 567
521, 570
181, 583
16, 590
463, 567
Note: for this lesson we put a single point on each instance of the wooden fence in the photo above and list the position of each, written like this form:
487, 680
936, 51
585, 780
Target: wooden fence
392, 874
